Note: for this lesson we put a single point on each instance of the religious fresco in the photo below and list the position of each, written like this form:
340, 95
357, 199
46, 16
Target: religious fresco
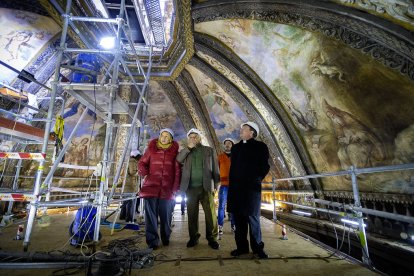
162, 114
85, 148
225, 115
350, 109
23, 38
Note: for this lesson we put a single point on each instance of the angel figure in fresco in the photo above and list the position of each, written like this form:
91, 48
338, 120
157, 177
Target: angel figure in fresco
220, 107
320, 66
16, 42
357, 144
81, 152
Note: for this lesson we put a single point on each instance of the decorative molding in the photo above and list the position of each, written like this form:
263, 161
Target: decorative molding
187, 25
178, 103
203, 109
393, 46
180, 53
193, 107
378, 197
400, 11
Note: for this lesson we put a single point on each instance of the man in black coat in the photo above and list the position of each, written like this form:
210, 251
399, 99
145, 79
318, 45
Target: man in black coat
249, 165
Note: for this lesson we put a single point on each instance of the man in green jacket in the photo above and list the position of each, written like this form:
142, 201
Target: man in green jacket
199, 180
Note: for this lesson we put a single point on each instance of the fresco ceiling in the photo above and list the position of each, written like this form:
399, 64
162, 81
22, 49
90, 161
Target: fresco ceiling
347, 116
329, 103
225, 115
25, 38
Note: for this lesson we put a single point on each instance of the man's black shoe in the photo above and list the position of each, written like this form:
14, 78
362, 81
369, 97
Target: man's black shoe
214, 244
192, 243
262, 255
237, 252
166, 243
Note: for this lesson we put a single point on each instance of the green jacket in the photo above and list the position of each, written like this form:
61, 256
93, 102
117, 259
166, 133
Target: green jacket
211, 174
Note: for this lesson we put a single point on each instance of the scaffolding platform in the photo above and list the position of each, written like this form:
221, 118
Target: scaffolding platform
20, 132
96, 98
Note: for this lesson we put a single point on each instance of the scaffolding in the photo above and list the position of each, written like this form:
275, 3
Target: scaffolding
105, 105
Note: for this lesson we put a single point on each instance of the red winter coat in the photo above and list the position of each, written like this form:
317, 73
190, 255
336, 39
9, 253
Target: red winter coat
162, 171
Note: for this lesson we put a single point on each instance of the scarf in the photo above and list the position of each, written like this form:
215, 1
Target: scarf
164, 147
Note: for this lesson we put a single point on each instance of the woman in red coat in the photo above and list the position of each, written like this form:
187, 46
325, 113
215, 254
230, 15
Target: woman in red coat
162, 177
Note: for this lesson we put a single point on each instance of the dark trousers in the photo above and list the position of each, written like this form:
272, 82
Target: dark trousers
243, 224
128, 210
154, 208
183, 205
195, 196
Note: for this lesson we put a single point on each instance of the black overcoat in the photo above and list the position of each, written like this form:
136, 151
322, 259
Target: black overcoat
249, 165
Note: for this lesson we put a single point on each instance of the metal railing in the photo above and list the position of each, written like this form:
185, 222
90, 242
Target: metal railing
356, 209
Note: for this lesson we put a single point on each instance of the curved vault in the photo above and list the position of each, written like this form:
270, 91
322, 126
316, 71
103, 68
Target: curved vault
347, 64
330, 74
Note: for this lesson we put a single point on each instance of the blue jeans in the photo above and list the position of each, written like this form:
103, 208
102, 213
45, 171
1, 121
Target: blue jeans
222, 196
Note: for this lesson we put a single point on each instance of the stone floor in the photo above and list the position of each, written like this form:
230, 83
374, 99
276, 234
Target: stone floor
295, 256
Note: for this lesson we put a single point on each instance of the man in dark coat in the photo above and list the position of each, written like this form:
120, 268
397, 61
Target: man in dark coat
249, 165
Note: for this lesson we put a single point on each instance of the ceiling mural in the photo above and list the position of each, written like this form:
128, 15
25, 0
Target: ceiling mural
225, 115
162, 114
25, 36
319, 81
290, 158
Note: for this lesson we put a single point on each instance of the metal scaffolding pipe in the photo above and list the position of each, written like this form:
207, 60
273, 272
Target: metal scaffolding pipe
377, 213
361, 228
39, 173
104, 180
64, 204
93, 51
312, 208
400, 167
94, 19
